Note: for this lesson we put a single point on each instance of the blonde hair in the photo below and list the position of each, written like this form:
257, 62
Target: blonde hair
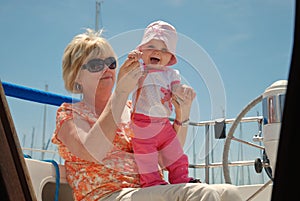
82, 47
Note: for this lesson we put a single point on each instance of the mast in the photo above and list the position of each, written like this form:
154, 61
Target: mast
32, 140
98, 15
24, 139
44, 125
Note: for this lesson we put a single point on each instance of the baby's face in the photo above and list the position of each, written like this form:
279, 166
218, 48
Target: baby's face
155, 54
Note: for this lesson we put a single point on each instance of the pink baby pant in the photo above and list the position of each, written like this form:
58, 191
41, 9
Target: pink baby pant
155, 142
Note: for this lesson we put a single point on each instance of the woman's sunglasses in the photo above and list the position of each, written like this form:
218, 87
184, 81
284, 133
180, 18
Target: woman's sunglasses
96, 65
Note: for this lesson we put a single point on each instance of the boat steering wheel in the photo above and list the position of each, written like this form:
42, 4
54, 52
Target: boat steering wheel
230, 137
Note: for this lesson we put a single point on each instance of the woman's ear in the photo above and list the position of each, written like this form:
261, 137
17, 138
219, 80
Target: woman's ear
78, 87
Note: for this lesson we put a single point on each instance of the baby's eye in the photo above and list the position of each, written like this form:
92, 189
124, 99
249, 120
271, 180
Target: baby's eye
150, 47
164, 50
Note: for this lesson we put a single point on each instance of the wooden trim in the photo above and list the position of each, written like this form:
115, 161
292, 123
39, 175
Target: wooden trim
15, 179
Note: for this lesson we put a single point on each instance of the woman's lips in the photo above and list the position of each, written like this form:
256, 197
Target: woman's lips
106, 77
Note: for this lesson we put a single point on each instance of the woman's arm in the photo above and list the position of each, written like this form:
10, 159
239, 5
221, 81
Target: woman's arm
128, 77
182, 100
92, 143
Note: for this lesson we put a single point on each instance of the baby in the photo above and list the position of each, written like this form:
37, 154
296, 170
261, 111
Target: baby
155, 142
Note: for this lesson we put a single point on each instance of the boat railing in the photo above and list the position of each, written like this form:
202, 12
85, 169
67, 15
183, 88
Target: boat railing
208, 164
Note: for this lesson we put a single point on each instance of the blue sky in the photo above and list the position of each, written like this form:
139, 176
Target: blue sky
246, 45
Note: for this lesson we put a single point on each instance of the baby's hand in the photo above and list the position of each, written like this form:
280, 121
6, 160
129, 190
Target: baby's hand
135, 55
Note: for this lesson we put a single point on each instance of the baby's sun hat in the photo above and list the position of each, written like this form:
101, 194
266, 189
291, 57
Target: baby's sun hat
164, 31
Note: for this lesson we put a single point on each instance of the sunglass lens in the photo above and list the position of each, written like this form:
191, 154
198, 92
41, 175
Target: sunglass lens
95, 65
111, 62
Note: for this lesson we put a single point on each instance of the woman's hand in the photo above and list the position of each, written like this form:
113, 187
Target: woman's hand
182, 100
129, 74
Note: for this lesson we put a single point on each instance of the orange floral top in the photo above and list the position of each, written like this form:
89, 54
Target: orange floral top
91, 181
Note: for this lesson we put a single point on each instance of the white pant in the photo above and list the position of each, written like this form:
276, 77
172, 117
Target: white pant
178, 192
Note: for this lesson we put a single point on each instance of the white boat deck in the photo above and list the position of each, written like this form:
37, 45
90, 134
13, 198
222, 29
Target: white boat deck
43, 177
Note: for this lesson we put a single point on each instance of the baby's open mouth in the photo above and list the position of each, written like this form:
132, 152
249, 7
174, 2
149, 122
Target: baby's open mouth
154, 60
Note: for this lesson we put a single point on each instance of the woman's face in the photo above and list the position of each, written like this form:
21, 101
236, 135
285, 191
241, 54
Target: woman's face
98, 75
155, 53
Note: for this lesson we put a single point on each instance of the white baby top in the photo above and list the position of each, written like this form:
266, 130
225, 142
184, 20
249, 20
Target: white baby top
155, 96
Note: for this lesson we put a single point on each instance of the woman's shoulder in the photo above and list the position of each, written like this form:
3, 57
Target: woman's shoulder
68, 110
78, 107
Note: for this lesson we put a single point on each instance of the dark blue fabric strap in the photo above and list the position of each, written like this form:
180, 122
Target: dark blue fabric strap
57, 179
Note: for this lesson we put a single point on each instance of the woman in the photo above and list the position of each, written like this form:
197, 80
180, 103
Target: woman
93, 136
